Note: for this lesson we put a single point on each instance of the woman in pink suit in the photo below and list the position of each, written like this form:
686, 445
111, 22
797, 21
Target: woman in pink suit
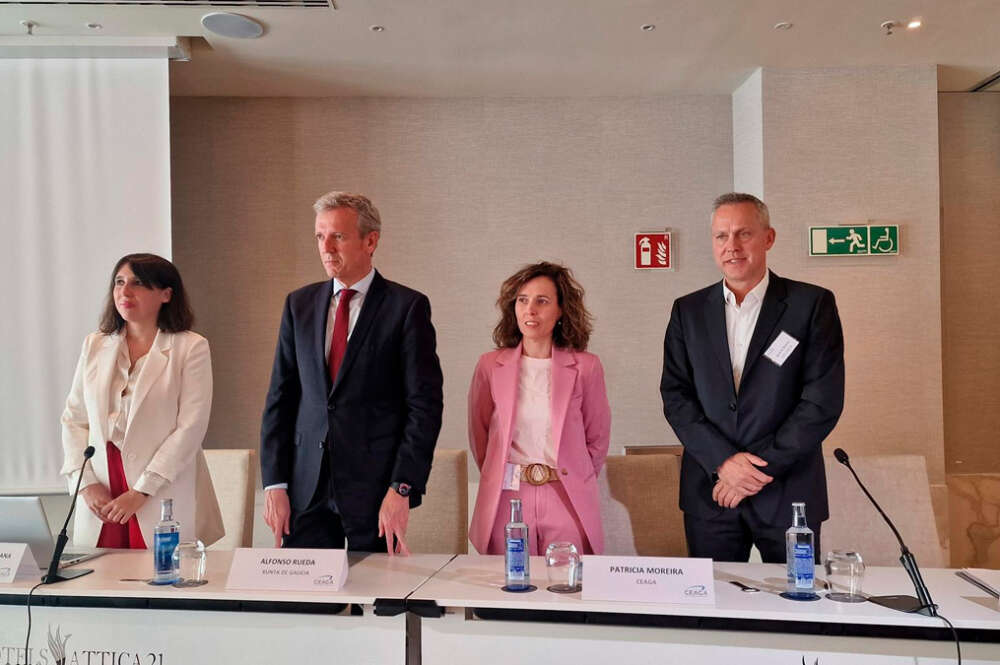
539, 420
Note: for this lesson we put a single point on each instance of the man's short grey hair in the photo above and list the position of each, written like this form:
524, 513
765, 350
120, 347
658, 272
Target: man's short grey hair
368, 218
734, 198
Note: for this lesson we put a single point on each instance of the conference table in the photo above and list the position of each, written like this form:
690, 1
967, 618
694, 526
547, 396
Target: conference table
450, 609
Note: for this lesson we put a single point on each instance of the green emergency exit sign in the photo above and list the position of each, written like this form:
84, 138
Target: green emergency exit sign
854, 240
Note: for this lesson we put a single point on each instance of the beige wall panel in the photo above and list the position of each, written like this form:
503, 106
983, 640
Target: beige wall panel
845, 145
469, 190
970, 210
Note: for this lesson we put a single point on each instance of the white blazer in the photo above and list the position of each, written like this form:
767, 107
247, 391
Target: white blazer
166, 424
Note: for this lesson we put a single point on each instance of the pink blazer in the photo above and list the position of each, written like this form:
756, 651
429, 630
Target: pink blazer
581, 424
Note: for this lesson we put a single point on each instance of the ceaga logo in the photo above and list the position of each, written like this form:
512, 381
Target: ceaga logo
325, 580
698, 590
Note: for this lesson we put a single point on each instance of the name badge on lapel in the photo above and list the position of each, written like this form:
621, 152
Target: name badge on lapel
781, 348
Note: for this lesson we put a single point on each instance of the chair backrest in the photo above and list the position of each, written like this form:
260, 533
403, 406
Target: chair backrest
639, 505
441, 524
233, 473
899, 483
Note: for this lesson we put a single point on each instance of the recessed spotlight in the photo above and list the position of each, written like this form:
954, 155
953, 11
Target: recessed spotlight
784, 25
649, 27
914, 23
94, 26
377, 28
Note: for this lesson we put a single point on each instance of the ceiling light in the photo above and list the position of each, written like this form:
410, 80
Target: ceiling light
784, 25
649, 27
234, 26
29, 26
377, 28
94, 26
914, 23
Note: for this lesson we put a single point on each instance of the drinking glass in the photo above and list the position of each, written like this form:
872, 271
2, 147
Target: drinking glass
844, 571
562, 564
190, 560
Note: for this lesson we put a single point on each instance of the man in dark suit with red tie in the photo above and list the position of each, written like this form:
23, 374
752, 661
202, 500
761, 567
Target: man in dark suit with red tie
753, 381
354, 407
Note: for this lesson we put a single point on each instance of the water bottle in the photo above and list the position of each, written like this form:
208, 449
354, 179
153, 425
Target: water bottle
166, 536
516, 555
799, 557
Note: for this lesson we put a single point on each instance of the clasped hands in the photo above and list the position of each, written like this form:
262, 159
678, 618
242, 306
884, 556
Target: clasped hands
118, 510
739, 478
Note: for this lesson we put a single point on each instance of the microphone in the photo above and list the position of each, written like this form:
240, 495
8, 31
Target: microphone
922, 604
53, 575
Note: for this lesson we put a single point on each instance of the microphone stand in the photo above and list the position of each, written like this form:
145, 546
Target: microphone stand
922, 604
53, 575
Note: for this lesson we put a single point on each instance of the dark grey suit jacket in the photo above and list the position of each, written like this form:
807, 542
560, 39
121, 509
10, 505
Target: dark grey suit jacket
382, 416
782, 414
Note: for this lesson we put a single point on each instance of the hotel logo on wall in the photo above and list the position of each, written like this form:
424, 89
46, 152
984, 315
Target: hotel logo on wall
653, 251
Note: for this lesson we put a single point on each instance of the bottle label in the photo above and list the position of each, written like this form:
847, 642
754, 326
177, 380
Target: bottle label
804, 565
515, 558
164, 545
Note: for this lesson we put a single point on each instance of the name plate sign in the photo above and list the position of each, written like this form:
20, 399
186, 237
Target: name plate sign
288, 569
16, 560
649, 579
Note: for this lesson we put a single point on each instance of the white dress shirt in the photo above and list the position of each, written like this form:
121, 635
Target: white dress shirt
353, 307
740, 323
353, 310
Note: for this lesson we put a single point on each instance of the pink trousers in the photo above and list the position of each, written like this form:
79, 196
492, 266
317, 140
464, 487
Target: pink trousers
549, 515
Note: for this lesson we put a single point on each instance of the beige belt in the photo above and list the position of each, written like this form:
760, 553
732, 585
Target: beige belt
538, 474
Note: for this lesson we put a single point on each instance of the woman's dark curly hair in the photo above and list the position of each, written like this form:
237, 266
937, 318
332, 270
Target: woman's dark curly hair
154, 272
573, 329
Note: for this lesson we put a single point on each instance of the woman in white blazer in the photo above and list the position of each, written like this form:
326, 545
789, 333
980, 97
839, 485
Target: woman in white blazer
141, 396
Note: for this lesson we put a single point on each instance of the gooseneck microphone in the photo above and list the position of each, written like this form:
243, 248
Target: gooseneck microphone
53, 575
922, 604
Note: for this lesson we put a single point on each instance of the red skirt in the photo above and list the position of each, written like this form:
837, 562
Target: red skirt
128, 535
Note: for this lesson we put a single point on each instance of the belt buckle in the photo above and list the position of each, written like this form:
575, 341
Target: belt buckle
536, 474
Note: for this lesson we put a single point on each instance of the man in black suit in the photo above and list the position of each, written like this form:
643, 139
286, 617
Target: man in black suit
354, 407
753, 381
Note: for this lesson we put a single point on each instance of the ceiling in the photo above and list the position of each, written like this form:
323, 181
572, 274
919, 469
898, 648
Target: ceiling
503, 48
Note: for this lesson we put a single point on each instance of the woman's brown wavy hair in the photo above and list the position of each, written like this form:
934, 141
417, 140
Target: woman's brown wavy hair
572, 330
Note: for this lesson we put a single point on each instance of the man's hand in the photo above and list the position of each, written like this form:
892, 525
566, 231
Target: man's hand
392, 519
277, 512
727, 496
96, 496
121, 509
740, 473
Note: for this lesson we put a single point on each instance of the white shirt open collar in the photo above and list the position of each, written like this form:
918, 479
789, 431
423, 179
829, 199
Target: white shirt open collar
756, 294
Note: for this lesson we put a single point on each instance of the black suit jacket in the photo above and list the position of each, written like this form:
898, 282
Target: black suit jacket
781, 414
380, 418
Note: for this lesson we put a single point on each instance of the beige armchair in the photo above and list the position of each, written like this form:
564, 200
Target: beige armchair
233, 473
441, 524
899, 483
639, 505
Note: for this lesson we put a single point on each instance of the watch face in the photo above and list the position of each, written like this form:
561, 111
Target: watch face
403, 489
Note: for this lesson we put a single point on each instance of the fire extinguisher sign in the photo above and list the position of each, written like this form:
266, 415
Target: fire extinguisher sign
652, 251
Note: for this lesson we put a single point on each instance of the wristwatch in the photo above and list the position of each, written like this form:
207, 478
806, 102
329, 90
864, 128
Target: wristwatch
402, 489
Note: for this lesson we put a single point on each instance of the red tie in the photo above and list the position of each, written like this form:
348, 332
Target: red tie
338, 343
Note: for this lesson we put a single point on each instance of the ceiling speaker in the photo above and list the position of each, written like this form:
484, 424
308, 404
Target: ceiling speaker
236, 26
